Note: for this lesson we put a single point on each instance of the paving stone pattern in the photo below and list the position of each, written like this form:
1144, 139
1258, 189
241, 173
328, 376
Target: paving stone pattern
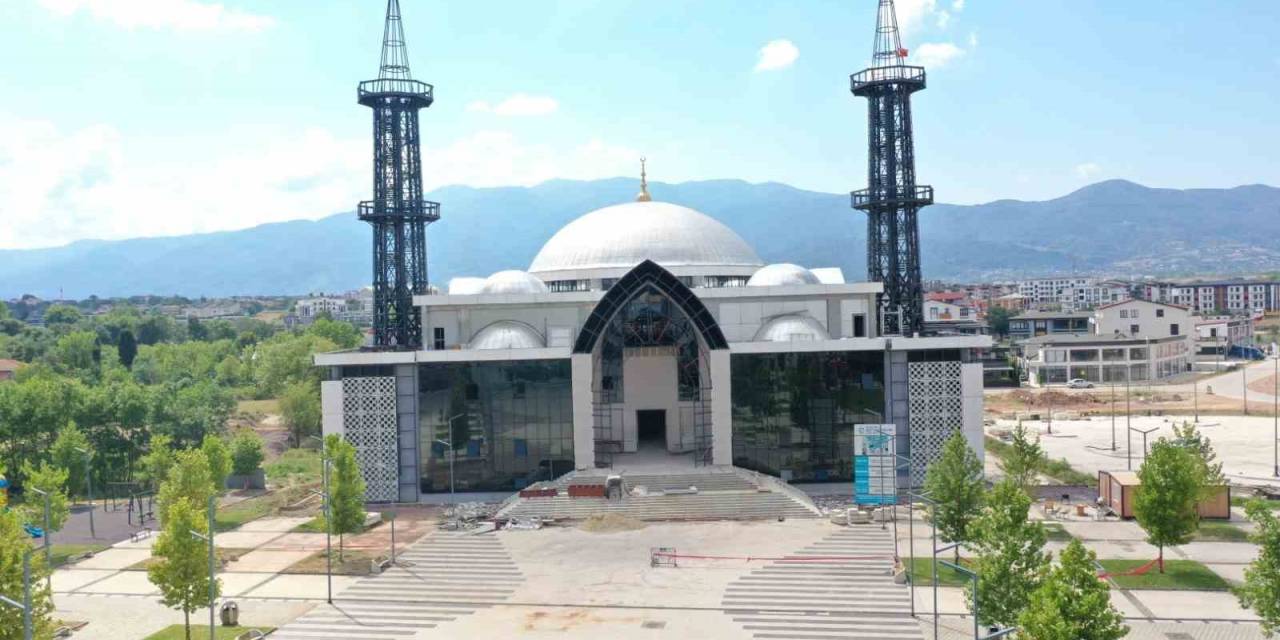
849, 597
452, 575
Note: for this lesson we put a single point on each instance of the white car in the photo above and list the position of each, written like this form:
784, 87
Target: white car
1079, 383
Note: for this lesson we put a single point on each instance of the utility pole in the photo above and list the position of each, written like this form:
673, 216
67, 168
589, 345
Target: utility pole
28, 626
1113, 413
1275, 413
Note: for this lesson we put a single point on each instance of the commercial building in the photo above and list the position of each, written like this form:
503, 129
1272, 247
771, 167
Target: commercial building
1219, 334
1103, 359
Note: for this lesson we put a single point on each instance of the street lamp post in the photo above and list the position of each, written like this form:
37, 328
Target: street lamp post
449, 425
1275, 412
1113, 413
88, 483
328, 522
212, 585
48, 549
28, 626
1244, 383
1129, 453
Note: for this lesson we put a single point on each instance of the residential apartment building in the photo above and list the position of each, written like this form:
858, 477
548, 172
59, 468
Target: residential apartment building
1073, 294
352, 306
1235, 296
1030, 324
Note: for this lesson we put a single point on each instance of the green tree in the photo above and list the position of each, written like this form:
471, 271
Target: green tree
196, 330
285, 359
158, 460
246, 452
66, 453
300, 408
346, 489
14, 542
954, 483
76, 353
127, 348
51, 480
218, 455
343, 334
1011, 561
998, 320
1025, 459
182, 572
1165, 503
61, 315
1190, 437
1072, 603
1261, 588
188, 479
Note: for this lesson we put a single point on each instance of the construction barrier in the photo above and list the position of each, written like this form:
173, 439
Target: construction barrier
1136, 571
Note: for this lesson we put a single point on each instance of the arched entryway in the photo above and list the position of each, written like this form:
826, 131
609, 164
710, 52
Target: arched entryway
649, 339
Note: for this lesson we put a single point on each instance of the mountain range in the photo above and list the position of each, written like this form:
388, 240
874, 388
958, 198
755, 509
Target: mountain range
1114, 228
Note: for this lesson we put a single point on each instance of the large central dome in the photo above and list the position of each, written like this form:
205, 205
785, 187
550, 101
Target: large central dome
624, 235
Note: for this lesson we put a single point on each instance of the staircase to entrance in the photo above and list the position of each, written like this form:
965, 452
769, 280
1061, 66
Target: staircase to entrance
680, 492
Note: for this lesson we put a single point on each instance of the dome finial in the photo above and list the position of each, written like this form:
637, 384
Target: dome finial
643, 196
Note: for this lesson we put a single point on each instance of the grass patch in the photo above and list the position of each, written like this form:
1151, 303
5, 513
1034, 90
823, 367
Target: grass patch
178, 632
1241, 501
1221, 532
1059, 470
316, 525
1056, 533
352, 563
63, 553
251, 509
298, 465
1178, 574
268, 406
922, 573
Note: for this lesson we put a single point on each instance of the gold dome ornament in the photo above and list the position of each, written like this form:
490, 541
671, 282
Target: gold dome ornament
643, 196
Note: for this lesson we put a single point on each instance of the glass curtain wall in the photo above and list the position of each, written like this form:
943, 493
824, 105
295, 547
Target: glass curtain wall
795, 412
510, 424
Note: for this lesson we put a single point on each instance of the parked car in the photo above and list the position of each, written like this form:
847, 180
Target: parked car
1079, 383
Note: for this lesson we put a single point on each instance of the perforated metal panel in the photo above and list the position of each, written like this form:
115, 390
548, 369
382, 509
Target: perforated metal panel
936, 411
369, 422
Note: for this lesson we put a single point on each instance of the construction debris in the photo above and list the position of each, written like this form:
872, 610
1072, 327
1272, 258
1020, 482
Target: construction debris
467, 515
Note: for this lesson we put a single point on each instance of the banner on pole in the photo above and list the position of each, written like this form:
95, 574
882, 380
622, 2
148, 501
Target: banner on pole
875, 474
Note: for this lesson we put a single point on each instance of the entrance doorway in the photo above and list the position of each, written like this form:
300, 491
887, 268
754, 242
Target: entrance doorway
651, 427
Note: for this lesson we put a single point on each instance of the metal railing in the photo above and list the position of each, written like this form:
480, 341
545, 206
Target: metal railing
396, 86
368, 210
920, 195
883, 75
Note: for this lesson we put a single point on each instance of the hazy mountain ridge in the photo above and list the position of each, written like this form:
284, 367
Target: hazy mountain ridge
1114, 227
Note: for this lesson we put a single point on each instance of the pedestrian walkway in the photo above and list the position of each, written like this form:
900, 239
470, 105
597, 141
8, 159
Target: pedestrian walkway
846, 592
441, 578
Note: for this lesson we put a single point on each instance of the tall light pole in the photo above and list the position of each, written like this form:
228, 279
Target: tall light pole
1113, 412
328, 523
1244, 384
1129, 453
88, 484
48, 549
449, 427
212, 585
1275, 412
28, 626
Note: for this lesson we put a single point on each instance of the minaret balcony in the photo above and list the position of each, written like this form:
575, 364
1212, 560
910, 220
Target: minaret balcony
429, 211
920, 195
892, 74
370, 91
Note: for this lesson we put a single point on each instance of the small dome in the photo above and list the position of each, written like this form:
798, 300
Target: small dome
513, 281
782, 274
507, 334
465, 286
791, 328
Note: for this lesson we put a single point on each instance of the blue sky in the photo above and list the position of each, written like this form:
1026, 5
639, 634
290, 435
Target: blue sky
121, 118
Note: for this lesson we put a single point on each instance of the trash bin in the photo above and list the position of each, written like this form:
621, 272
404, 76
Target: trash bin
230, 612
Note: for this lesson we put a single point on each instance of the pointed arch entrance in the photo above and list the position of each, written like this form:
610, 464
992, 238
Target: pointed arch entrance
649, 340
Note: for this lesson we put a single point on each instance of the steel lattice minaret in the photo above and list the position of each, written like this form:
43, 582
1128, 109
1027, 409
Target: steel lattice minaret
892, 198
397, 212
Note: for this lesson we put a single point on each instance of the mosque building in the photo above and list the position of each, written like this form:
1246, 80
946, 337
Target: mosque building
646, 333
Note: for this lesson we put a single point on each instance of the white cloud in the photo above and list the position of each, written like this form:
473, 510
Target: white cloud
57, 186
943, 18
517, 105
777, 54
181, 15
936, 54
1088, 170
957, 5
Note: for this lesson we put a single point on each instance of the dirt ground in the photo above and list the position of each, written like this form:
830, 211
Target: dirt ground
263, 416
1097, 401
